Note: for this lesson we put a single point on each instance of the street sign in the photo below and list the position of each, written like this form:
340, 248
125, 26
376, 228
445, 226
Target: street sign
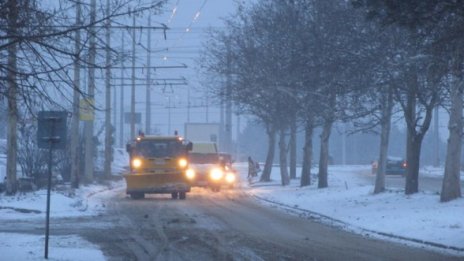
86, 110
51, 133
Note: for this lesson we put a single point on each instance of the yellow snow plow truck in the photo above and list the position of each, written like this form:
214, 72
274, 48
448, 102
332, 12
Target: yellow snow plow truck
158, 165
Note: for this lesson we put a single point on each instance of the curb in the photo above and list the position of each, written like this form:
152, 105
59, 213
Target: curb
338, 223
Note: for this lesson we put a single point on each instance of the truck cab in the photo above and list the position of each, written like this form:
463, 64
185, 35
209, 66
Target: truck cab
158, 164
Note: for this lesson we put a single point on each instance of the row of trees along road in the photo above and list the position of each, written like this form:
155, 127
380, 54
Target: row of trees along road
312, 63
41, 43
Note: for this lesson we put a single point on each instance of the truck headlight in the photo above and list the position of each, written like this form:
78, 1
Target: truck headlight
136, 163
216, 174
182, 163
190, 173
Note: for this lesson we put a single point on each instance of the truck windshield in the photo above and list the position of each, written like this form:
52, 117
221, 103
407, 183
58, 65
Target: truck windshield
158, 148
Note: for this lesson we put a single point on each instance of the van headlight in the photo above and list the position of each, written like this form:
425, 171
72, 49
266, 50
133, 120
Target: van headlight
216, 174
190, 174
136, 163
230, 177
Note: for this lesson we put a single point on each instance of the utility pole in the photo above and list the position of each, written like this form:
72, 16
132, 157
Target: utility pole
132, 121
169, 115
108, 127
148, 93
76, 98
121, 102
228, 109
89, 144
237, 139
188, 103
222, 136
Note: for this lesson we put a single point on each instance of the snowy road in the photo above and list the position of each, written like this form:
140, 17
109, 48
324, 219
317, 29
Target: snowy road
213, 226
221, 226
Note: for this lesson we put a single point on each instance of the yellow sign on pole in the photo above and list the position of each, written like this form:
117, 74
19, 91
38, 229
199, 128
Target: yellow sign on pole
86, 110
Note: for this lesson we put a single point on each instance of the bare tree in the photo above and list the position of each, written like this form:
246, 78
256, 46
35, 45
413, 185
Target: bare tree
436, 25
37, 40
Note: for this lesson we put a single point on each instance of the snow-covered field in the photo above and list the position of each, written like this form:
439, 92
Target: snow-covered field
347, 203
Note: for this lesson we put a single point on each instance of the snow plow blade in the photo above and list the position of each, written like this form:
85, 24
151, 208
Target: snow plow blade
156, 183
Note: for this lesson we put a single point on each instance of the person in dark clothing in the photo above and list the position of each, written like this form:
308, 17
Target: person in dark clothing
251, 168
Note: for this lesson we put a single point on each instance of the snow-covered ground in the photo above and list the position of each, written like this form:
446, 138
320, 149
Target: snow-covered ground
347, 203
85, 201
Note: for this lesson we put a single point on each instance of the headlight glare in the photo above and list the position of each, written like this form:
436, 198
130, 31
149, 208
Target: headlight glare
216, 174
230, 177
136, 163
190, 173
183, 163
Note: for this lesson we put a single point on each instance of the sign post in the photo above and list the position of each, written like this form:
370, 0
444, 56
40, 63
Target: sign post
51, 134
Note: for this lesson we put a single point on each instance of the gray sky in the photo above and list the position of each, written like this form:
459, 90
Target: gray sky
188, 20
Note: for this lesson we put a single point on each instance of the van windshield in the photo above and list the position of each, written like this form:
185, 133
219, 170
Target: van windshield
204, 158
159, 148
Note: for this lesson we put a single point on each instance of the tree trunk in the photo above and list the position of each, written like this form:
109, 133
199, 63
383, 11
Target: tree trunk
292, 145
451, 187
414, 144
307, 155
384, 140
12, 146
266, 175
285, 179
324, 155
414, 136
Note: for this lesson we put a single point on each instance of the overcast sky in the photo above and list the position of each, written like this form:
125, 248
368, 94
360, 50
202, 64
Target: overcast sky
188, 21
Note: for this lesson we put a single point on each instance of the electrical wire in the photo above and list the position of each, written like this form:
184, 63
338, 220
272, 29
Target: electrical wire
188, 29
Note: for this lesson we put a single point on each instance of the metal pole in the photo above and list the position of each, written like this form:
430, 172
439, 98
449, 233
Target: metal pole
49, 186
437, 139
108, 128
89, 150
228, 106
148, 94
237, 139
169, 115
222, 131
188, 103
76, 96
132, 124
121, 102
207, 107
47, 222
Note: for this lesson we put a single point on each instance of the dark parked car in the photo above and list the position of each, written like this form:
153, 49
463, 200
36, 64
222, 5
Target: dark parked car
396, 166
